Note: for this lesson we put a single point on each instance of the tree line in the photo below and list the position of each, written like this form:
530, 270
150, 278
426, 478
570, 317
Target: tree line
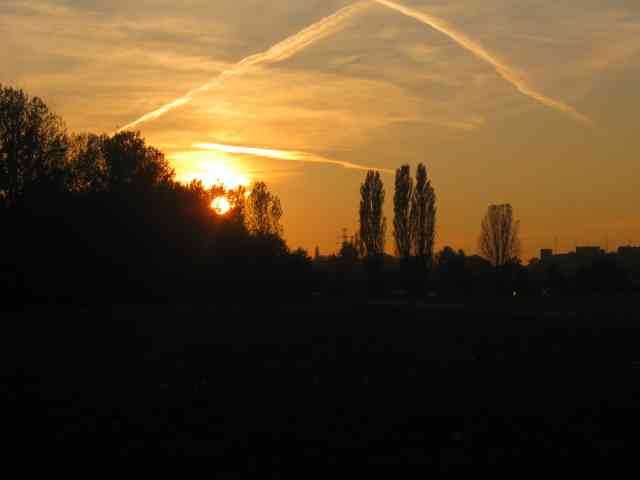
102, 217
418, 270
414, 222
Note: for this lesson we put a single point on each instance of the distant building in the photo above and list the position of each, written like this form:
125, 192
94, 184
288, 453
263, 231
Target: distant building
629, 256
629, 251
585, 256
589, 252
546, 254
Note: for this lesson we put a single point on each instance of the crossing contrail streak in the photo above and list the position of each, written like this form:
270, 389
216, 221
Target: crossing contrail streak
287, 155
279, 52
505, 71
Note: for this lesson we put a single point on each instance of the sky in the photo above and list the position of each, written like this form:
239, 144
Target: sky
532, 103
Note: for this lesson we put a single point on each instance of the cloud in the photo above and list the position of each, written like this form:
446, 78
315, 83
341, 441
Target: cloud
277, 53
286, 155
383, 92
505, 71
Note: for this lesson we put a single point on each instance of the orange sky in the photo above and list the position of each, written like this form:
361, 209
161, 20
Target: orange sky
533, 103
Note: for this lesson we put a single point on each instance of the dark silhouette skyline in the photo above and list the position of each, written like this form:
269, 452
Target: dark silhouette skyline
111, 208
138, 319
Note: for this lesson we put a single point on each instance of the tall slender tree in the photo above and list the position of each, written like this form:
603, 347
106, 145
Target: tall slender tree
423, 218
402, 211
373, 224
499, 235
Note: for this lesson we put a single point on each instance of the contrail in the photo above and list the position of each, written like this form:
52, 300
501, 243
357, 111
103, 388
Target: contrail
288, 155
505, 71
279, 52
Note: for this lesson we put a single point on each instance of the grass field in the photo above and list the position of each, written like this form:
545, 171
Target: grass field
329, 382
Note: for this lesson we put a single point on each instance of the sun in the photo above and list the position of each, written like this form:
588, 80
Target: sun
221, 205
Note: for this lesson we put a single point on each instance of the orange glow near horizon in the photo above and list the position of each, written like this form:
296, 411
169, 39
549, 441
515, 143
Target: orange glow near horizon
500, 106
222, 174
221, 205
211, 170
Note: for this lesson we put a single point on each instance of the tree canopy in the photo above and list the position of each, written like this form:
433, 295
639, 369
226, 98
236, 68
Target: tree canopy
402, 200
499, 235
263, 212
33, 142
423, 217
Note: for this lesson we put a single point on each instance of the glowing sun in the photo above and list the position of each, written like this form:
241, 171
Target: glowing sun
211, 170
225, 175
221, 205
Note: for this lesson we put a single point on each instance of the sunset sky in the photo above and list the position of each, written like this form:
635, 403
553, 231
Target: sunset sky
531, 102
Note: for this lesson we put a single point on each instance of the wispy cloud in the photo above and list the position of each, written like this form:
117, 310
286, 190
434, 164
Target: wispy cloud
277, 53
507, 72
286, 155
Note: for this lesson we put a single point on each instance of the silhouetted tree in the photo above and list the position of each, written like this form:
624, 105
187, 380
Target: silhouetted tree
402, 211
373, 225
118, 227
263, 212
423, 218
347, 264
349, 253
237, 199
131, 162
499, 242
358, 244
86, 162
32, 143
302, 255
448, 256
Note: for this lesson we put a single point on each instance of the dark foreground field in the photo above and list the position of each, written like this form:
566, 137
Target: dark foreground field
263, 387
